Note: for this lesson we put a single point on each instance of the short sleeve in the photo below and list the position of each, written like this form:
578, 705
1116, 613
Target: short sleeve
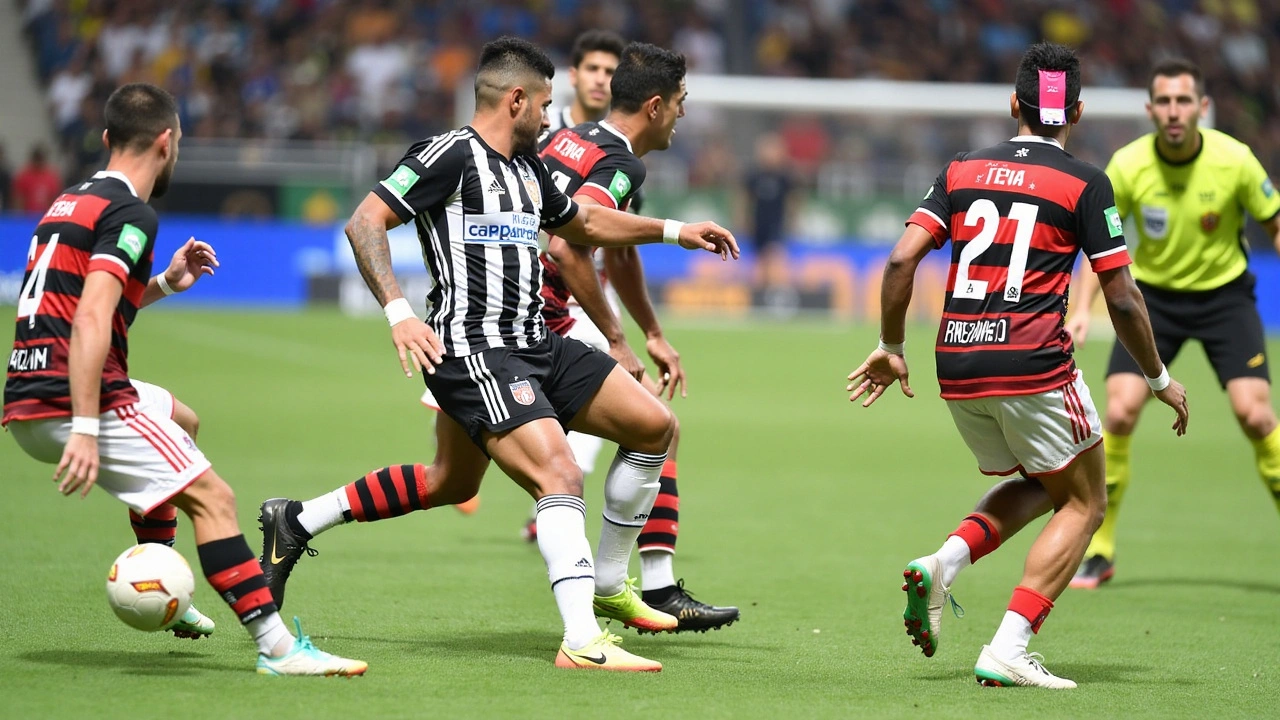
934, 213
614, 180
124, 236
1099, 226
427, 176
1120, 187
557, 208
1256, 192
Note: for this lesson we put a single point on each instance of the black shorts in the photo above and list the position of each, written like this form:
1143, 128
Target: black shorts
497, 390
1225, 320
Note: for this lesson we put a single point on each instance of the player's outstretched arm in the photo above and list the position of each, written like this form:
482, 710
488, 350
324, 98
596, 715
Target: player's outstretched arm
578, 269
90, 341
626, 273
605, 227
367, 232
1133, 328
887, 362
193, 260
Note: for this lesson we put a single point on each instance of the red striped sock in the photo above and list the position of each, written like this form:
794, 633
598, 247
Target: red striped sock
663, 526
234, 572
158, 526
1031, 605
980, 534
388, 492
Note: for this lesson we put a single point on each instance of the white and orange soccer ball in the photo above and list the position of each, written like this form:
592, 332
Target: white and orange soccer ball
150, 586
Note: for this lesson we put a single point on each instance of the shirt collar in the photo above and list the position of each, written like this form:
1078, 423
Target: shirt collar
566, 117
605, 124
1038, 139
118, 176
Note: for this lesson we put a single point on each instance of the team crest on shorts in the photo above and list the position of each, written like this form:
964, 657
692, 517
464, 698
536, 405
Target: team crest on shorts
1209, 221
522, 392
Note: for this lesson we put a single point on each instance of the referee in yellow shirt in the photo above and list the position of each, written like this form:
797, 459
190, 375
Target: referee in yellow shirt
1188, 189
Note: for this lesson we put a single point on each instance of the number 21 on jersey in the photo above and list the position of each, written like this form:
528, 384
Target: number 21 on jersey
33, 291
984, 211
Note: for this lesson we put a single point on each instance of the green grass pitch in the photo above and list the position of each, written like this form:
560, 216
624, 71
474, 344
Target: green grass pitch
797, 506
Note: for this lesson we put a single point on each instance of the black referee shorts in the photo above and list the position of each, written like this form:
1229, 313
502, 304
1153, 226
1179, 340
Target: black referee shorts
1225, 320
497, 390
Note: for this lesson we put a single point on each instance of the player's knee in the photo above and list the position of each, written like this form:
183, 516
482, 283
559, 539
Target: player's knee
210, 497
655, 434
1121, 418
1257, 420
561, 476
675, 429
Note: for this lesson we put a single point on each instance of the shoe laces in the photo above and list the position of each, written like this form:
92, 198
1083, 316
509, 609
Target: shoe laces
608, 638
956, 609
1037, 662
304, 641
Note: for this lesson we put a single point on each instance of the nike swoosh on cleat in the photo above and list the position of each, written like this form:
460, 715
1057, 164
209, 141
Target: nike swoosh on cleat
599, 661
275, 559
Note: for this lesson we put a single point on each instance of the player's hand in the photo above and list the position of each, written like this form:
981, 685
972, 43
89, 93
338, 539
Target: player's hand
192, 261
627, 358
1175, 396
1078, 327
876, 374
710, 237
668, 361
80, 462
417, 343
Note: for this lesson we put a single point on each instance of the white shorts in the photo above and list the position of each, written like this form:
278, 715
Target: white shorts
1033, 434
583, 329
144, 457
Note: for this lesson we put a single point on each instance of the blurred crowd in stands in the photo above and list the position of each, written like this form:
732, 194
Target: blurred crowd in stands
387, 70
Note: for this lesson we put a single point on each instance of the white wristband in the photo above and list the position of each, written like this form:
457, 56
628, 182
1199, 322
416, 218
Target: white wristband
1159, 383
397, 311
85, 425
164, 285
892, 348
671, 231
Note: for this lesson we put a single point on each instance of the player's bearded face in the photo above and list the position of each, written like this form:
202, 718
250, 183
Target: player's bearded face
532, 120
162, 180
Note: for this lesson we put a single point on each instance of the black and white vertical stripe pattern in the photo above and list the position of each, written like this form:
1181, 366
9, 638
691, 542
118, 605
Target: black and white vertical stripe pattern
490, 390
486, 294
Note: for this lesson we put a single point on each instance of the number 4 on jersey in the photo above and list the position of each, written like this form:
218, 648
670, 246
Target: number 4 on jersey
33, 291
985, 211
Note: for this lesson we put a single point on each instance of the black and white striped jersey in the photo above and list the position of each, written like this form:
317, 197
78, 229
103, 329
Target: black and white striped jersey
478, 215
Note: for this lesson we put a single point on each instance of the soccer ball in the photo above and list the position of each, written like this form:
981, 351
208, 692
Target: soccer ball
150, 586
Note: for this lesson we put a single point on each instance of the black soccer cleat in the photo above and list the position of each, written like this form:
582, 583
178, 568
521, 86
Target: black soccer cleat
694, 616
1094, 571
281, 546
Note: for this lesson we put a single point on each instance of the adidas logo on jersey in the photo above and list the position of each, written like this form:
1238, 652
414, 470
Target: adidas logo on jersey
496, 188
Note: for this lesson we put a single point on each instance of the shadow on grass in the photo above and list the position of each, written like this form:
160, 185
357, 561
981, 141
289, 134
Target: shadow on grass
1231, 584
1084, 673
132, 662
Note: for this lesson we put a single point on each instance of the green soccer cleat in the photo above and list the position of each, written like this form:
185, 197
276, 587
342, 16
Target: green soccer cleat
192, 625
307, 659
926, 597
627, 607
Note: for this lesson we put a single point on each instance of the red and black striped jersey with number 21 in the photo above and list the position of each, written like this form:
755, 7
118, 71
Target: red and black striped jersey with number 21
97, 225
1017, 213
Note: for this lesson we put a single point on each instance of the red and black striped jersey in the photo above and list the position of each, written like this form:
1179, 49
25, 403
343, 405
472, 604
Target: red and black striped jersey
596, 160
97, 225
1017, 213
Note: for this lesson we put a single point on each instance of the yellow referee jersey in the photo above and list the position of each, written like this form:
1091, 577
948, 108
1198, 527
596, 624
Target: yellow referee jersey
1190, 216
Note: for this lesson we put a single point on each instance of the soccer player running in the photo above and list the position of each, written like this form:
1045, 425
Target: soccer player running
1018, 213
598, 163
508, 389
1188, 188
68, 398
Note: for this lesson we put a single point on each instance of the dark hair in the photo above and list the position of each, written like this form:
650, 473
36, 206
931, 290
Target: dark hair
1173, 67
590, 41
136, 114
644, 71
1045, 56
507, 62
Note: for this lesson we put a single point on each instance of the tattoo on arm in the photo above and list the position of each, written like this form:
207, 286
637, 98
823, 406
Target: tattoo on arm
373, 256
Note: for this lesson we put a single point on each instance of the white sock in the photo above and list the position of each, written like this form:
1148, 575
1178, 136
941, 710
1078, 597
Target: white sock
273, 638
320, 514
562, 540
954, 555
1011, 639
655, 568
629, 491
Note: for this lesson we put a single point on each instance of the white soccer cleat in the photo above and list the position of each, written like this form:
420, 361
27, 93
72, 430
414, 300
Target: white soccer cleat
307, 659
1025, 671
926, 597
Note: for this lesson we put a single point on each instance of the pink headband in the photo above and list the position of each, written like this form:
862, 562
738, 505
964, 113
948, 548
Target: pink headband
1053, 97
